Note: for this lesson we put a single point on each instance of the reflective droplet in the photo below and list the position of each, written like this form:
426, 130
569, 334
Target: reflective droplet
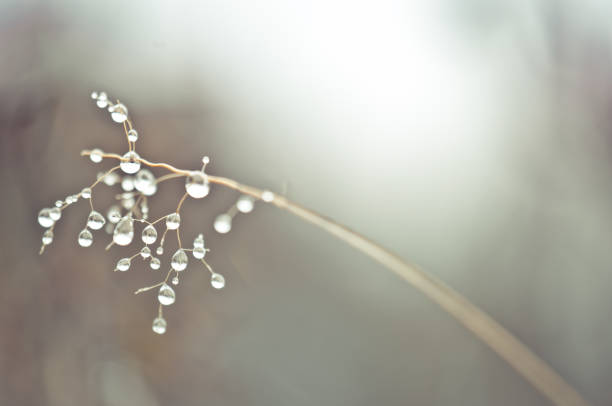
102, 100
159, 250
143, 179
145, 252
175, 280
129, 163
96, 155
199, 252
47, 237
110, 179
59, 203
159, 325
150, 190
149, 235
55, 213
267, 196
132, 135
124, 231
85, 238
173, 221
95, 221
127, 183
86, 193
94, 95
197, 185
155, 263
119, 113
217, 281
114, 214
123, 264
199, 241
166, 295
128, 202
44, 218
223, 223
179, 260
145, 182
245, 204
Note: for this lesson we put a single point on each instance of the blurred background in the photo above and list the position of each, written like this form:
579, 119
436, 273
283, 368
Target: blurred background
470, 137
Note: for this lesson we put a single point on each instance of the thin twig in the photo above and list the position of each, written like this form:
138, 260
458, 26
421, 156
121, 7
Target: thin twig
535, 370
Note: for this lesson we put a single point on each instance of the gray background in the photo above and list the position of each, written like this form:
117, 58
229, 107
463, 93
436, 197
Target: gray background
471, 138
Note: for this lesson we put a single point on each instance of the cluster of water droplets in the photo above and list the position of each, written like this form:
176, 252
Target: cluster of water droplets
118, 111
137, 184
48, 216
223, 222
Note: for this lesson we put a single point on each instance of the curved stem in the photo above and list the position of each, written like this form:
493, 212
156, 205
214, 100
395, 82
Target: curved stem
535, 370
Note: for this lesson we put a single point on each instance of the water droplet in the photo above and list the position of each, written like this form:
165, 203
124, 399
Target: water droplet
44, 218
166, 295
96, 155
199, 252
245, 204
129, 163
205, 160
199, 241
59, 203
175, 280
114, 214
124, 231
217, 281
267, 196
85, 238
95, 221
155, 263
94, 95
151, 190
197, 185
47, 237
179, 260
223, 223
159, 325
145, 182
127, 183
119, 113
128, 202
86, 193
102, 100
145, 252
71, 199
149, 235
173, 221
132, 135
55, 213
123, 264
110, 179
160, 250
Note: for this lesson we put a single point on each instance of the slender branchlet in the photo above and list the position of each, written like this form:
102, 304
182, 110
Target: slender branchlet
138, 184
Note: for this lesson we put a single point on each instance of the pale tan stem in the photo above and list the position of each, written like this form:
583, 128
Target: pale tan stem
535, 370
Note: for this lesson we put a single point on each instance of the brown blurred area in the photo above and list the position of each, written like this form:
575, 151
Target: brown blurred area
471, 138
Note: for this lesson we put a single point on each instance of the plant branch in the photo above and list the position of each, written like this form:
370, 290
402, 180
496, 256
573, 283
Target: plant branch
535, 370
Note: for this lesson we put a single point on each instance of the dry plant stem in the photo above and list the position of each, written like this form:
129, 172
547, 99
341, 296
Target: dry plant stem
500, 340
